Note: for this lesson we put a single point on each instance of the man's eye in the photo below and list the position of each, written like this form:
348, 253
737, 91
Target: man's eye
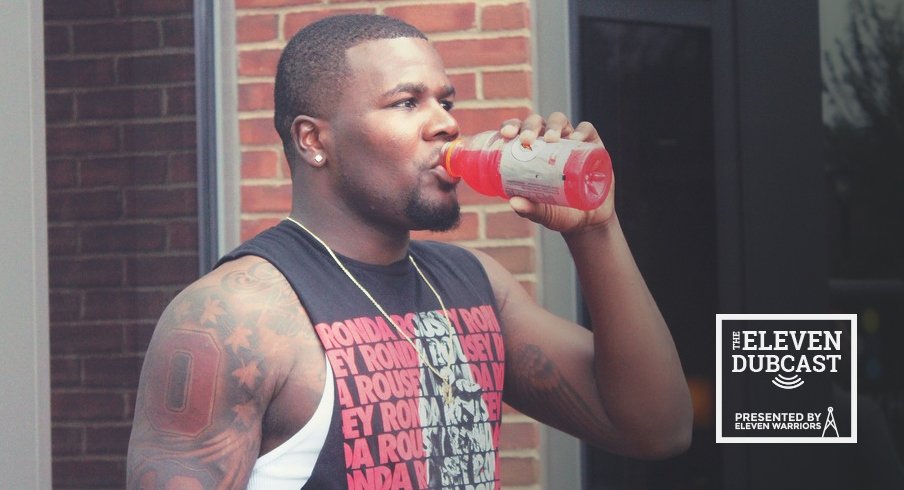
447, 104
406, 104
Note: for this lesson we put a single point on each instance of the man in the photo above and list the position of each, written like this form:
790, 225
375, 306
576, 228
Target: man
332, 351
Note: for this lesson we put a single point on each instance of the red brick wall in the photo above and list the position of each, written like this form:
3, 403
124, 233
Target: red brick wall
486, 48
122, 212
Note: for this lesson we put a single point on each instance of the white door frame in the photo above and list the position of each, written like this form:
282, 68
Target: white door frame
25, 456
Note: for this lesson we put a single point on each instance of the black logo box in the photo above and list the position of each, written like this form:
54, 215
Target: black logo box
816, 359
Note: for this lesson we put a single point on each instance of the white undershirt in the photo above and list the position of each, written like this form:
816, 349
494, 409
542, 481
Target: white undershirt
289, 465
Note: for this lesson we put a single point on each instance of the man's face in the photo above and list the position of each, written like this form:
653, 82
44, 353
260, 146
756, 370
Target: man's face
387, 132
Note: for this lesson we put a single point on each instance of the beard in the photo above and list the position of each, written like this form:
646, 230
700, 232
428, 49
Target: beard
429, 216
420, 212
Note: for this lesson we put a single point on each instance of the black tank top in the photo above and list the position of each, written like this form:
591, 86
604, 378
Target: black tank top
390, 426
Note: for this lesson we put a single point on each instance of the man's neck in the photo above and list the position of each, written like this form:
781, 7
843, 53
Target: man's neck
356, 239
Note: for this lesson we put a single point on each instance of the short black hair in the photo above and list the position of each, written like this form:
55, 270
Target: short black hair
312, 69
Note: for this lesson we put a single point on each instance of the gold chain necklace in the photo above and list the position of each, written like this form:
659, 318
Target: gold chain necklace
446, 389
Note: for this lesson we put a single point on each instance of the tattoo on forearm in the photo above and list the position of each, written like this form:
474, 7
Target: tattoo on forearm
542, 382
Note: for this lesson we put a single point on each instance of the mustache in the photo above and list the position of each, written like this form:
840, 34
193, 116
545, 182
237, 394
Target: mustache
434, 159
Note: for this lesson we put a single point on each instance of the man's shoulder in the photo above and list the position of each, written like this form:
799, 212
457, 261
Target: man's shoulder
244, 306
228, 343
239, 280
235, 292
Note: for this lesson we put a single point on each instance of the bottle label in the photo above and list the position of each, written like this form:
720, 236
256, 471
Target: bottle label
536, 172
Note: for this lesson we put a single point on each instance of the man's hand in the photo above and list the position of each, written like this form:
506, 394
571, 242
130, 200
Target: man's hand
558, 218
621, 386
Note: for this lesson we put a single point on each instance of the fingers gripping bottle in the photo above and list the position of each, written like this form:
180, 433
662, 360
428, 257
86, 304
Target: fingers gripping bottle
565, 173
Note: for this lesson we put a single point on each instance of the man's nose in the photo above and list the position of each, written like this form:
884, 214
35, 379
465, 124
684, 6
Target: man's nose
442, 124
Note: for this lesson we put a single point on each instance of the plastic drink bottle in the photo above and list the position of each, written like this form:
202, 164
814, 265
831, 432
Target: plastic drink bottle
566, 173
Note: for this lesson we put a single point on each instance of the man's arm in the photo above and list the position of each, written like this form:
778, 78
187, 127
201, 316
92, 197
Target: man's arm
218, 356
620, 387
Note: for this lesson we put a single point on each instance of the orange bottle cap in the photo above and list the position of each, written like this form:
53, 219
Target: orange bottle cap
447, 156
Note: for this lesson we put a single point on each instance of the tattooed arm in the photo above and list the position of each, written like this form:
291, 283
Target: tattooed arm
219, 356
621, 386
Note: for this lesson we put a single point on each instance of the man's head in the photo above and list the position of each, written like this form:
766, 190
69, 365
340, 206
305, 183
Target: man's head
313, 71
363, 137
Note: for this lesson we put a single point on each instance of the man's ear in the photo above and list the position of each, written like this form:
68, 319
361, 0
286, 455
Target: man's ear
307, 134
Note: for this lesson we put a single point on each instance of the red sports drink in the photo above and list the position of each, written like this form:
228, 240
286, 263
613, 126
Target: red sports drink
566, 173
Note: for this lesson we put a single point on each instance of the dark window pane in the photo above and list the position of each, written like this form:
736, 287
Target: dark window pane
648, 88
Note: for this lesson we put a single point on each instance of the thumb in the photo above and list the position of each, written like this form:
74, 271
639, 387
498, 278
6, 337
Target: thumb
529, 209
522, 206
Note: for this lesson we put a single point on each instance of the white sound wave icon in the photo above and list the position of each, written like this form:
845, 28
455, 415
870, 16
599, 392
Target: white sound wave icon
788, 383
